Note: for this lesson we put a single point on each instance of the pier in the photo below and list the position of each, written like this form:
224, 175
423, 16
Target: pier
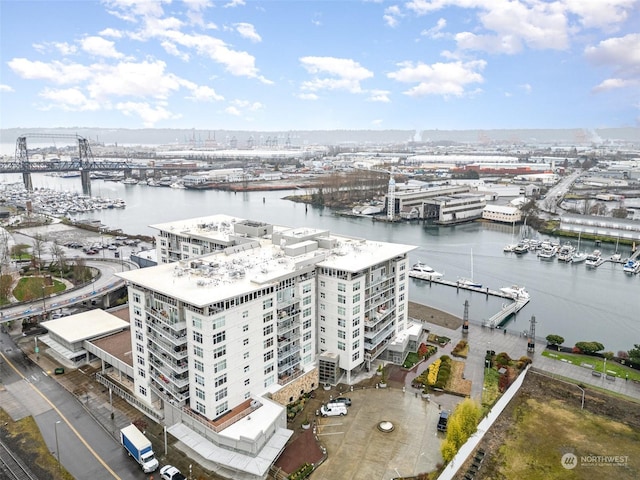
500, 318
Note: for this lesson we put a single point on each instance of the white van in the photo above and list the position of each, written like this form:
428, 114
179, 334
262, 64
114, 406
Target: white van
333, 410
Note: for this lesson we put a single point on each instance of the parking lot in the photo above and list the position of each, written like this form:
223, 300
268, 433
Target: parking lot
357, 449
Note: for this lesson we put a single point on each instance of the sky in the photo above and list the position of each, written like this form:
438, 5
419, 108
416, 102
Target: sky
320, 65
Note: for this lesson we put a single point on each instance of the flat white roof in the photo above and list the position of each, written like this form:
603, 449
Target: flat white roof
217, 226
501, 209
85, 325
224, 274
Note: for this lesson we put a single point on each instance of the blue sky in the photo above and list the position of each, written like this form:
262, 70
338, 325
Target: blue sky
321, 65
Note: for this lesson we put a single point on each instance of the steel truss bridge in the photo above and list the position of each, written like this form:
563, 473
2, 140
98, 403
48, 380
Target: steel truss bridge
84, 163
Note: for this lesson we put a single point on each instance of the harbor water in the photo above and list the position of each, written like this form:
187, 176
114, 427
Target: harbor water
578, 303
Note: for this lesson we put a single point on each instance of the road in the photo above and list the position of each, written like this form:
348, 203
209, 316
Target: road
106, 282
86, 450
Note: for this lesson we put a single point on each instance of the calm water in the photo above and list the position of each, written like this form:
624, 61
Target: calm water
577, 303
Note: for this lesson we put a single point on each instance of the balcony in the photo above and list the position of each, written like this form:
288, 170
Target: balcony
286, 352
290, 376
162, 358
177, 352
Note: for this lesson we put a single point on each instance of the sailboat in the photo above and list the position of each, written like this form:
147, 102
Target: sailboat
468, 282
511, 246
578, 256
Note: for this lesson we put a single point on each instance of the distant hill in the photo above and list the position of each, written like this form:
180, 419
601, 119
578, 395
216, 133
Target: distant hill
297, 138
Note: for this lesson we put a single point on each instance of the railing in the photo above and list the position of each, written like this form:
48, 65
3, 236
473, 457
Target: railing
129, 397
218, 428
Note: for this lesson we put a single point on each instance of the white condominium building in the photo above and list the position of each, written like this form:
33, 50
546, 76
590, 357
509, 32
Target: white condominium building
260, 315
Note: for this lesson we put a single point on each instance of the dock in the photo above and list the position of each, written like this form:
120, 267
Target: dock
484, 290
502, 317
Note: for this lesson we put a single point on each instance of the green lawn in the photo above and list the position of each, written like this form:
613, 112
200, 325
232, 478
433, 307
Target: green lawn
31, 288
490, 390
597, 363
411, 360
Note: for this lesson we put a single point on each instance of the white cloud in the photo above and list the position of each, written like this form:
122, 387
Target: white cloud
231, 110
143, 80
69, 99
334, 74
526, 87
436, 31
392, 16
248, 31
307, 96
623, 55
111, 32
5, 88
63, 48
234, 3
149, 114
100, 47
55, 72
605, 14
377, 122
379, 96
446, 79
128, 10
172, 49
202, 93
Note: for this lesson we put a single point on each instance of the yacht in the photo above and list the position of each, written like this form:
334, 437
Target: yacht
520, 249
425, 270
579, 257
515, 292
632, 266
565, 254
130, 181
594, 259
547, 252
467, 282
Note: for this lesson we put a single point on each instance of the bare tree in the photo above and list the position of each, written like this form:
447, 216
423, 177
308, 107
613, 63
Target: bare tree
57, 253
38, 249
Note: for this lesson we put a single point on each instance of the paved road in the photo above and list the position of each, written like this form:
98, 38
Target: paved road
86, 449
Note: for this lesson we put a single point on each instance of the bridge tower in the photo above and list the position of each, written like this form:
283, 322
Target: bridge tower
22, 156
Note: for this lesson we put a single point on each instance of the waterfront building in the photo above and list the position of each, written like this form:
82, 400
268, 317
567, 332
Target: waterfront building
502, 214
224, 338
405, 199
621, 228
452, 209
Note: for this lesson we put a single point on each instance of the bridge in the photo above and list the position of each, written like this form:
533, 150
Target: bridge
501, 318
84, 163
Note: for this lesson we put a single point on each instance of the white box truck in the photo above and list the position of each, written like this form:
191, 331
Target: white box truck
139, 447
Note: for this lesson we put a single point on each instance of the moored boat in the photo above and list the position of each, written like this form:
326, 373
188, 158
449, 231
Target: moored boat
515, 292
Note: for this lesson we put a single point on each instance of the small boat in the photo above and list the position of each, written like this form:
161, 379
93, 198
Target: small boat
509, 248
547, 252
565, 254
579, 257
425, 270
594, 259
632, 266
130, 181
520, 249
469, 282
515, 292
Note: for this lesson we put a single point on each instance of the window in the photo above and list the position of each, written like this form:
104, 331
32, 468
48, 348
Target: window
194, 250
247, 395
322, 295
200, 394
219, 352
245, 328
137, 311
341, 346
139, 348
268, 330
197, 337
196, 322
355, 356
220, 409
268, 303
140, 360
198, 365
245, 342
341, 334
142, 373
322, 318
356, 298
323, 306
269, 381
356, 321
139, 336
342, 287
355, 345
221, 380
306, 324
220, 394
138, 323
306, 288
221, 365
246, 369
267, 317
268, 355
356, 286
306, 336
245, 355
245, 314
355, 333
142, 390
268, 369
219, 337
268, 343
306, 300
307, 312
199, 379
197, 351
322, 330
342, 322
323, 283
201, 408
342, 311
136, 298
218, 323
322, 340
342, 299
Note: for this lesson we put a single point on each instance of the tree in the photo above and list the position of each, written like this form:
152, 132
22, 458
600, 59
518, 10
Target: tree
589, 347
57, 253
619, 212
38, 249
634, 353
461, 425
555, 340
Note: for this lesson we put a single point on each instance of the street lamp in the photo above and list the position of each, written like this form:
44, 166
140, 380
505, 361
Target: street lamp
44, 305
55, 427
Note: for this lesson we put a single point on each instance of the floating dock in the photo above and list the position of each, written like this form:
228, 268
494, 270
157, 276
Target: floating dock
502, 317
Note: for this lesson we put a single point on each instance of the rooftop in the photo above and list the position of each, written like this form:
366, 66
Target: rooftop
85, 326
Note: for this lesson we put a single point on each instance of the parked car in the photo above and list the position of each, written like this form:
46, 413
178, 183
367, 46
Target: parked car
169, 472
442, 421
344, 400
333, 410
